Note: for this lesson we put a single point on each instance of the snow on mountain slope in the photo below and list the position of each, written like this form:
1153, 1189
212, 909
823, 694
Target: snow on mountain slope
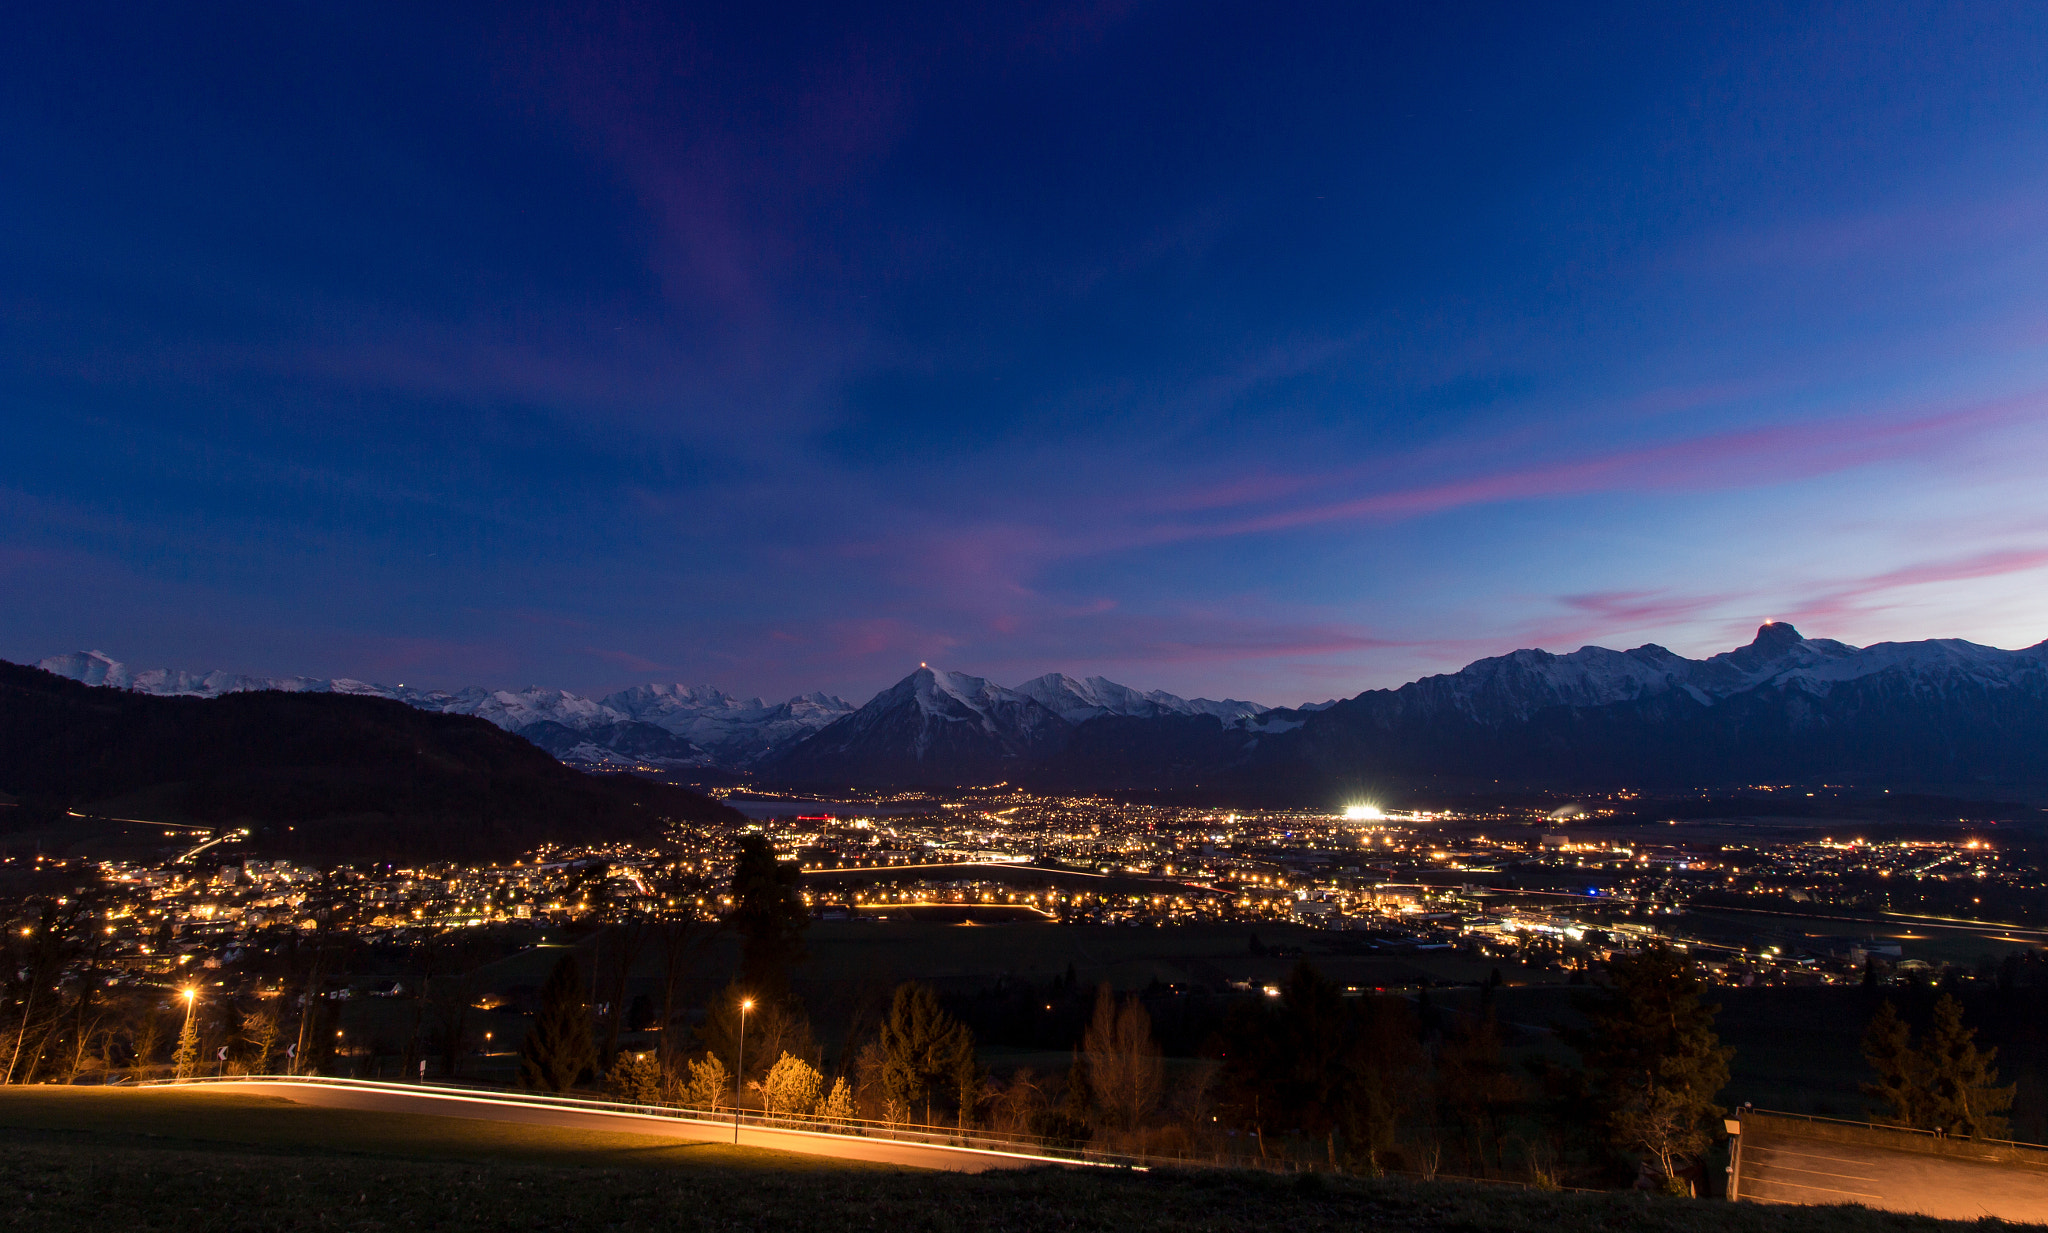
1517, 685
938, 726
99, 668
732, 732
711, 727
931, 725
1080, 701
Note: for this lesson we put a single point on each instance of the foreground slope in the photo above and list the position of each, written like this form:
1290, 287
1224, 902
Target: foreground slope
315, 774
66, 1180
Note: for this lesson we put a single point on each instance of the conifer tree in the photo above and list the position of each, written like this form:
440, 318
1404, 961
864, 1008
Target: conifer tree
837, 1105
1476, 1087
185, 1060
770, 916
792, 1087
1961, 1094
1653, 1062
709, 1085
927, 1054
558, 1049
1888, 1047
635, 1078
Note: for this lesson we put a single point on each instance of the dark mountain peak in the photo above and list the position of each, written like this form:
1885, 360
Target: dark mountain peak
1776, 634
1776, 643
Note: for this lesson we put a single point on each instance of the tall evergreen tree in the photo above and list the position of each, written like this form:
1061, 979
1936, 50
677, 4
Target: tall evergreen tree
1653, 1062
1341, 1072
185, 1060
1476, 1087
1961, 1096
770, 916
1888, 1047
558, 1048
928, 1056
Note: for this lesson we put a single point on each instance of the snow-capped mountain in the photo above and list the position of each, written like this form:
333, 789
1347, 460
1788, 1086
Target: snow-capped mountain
1943, 714
1080, 701
1784, 708
666, 725
930, 727
99, 668
730, 731
1517, 686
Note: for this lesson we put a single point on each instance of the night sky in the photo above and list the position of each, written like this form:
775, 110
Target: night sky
1255, 350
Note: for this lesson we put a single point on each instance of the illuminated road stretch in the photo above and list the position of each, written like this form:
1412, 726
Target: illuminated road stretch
571, 1114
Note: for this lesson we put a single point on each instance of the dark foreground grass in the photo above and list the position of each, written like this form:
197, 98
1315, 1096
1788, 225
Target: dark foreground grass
204, 1117
61, 1181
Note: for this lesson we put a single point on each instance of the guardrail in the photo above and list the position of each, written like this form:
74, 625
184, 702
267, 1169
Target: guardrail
985, 1142
946, 1138
1937, 1136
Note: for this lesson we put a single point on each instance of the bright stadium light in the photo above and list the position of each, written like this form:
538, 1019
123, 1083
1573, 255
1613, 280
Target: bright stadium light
1362, 813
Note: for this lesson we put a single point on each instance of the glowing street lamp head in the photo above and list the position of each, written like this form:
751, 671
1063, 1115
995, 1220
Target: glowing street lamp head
746, 1004
189, 994
1362, 813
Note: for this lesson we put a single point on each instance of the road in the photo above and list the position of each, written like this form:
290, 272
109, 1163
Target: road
1780, 1165
510, 1107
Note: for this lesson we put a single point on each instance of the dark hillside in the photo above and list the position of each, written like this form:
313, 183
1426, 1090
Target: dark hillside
320, 776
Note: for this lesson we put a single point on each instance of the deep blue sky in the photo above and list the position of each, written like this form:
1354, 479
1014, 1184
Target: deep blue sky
1273, 351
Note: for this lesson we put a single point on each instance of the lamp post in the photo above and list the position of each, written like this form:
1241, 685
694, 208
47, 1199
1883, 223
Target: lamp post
740, 1070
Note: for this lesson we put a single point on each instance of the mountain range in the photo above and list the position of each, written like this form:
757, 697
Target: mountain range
318, 774
1783, 709
660, 725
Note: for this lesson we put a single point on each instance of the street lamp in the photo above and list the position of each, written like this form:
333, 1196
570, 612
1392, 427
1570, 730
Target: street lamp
746, 1004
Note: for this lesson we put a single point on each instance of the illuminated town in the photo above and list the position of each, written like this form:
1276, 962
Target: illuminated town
1551, 895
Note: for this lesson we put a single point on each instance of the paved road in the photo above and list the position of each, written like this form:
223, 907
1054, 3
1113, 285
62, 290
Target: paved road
507, 1107
1781, 1166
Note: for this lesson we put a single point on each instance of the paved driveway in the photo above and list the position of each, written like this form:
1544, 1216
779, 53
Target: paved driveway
1780, 1165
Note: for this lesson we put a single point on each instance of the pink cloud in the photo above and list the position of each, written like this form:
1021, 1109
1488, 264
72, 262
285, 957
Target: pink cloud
1863, 594
1635, 609
1723, 460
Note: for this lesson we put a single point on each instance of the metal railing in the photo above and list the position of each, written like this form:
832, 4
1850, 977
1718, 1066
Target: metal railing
1938, 1136
978, 1141
948, 1138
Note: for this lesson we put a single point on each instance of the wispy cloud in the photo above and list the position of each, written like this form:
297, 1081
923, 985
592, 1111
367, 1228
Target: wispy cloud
1740, 458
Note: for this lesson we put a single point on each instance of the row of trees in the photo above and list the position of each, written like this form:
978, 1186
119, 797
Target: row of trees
1943, 1083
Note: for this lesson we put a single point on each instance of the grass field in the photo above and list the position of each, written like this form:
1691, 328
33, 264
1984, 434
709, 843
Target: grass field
79, 1161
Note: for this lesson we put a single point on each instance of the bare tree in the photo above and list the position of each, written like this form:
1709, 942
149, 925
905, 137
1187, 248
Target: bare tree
1126, 1076
680, 931
260, 1030
629, 942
